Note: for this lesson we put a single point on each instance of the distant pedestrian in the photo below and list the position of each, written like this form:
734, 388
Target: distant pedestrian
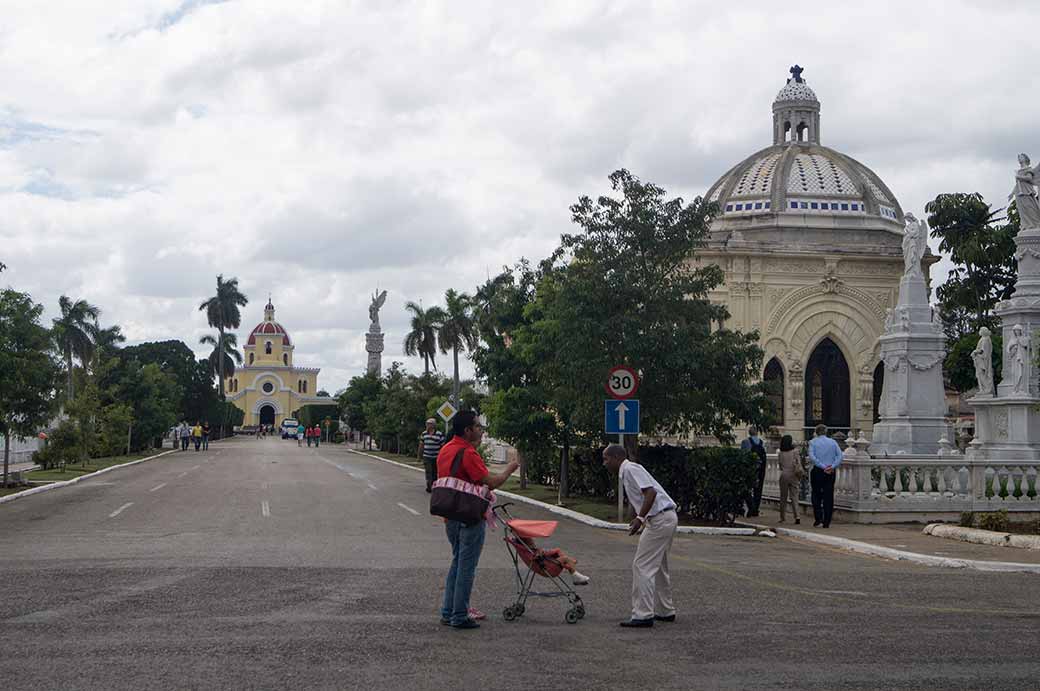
300, 431
655, 522
196, 435
317, 436
430, 443
185, 433
205, 435
825, 455
467, 542
756, 445
790, 476
308, 433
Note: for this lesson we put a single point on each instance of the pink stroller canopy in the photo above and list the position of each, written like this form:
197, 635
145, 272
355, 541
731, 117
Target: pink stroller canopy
532, 528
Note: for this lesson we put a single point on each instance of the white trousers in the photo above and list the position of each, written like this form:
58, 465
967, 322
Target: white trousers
651, 584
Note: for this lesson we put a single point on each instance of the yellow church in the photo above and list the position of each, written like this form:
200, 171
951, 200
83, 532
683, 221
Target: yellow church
267, 387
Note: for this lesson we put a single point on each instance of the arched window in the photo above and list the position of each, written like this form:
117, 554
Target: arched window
285, 359
305, 386
267, 348
774, 380
299, 386
879, 383
250, 358
787, 131
803, 132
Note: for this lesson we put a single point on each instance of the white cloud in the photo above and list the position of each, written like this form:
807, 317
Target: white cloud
316, 150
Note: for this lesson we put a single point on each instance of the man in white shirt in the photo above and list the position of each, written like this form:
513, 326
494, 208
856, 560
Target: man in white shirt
655, 522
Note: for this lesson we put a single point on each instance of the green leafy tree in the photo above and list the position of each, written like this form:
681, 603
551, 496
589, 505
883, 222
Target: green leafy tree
74, 334
28, 373
198, 399
222, 313
623, 290
153, 396
458, 330
232, 357
360, 390
981, 244
422, 339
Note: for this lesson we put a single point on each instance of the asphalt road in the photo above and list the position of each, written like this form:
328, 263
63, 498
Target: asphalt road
263, 565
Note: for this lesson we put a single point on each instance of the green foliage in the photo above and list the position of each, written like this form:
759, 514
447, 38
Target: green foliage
993, 520
222, 313
114, 424
73, 334
311, 415
63, 446
232, 356
707, 483
958, 366
28, 372
967, 519
422, 339
982, 249
353, 398
153, 395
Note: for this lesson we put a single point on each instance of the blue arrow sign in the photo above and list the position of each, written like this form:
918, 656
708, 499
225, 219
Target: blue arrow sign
621, 416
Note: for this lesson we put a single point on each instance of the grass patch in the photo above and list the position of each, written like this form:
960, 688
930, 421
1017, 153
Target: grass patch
91, 466
4, 491
400, 458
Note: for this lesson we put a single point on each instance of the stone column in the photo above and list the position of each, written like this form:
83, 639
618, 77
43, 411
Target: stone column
374, 346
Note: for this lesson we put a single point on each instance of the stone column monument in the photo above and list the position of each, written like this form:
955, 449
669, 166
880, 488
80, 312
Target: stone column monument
374, 337
913, 399
1007, 424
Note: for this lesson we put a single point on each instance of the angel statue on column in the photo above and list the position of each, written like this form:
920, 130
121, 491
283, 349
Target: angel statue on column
1026, 181
915, 239
373, 309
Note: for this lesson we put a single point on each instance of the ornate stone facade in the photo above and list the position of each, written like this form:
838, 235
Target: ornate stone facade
809, 241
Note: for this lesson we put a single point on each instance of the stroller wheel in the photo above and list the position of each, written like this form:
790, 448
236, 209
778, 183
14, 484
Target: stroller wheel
572, 616
509, 614
580, 609
519, 610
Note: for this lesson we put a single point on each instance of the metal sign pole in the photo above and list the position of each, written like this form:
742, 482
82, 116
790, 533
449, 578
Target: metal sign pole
620, 488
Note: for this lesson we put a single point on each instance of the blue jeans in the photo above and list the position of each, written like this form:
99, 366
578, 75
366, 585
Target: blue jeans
466, 545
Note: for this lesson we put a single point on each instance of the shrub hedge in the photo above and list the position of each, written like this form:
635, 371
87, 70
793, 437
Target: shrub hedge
709, 483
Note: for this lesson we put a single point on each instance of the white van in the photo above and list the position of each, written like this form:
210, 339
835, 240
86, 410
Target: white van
289, 426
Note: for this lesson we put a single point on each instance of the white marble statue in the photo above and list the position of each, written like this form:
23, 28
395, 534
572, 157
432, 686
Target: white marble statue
1018, 356
982, 356
915, 239
1025, 193
373, 309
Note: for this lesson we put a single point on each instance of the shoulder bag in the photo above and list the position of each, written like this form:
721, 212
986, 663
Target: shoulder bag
458, 500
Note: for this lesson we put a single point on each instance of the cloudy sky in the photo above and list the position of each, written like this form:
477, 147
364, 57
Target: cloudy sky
319, 150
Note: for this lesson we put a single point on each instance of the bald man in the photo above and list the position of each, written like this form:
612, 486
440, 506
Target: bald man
655, 522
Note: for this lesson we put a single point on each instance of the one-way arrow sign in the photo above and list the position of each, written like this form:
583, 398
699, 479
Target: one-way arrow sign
621, 416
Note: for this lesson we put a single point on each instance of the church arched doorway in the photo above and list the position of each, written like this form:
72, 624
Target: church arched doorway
267, 415
879, 383
774, 380
827, 389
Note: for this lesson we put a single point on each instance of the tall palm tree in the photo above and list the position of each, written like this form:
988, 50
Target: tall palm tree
74, 333
458, 331
422, 339
107, 340
222, 313
231, 354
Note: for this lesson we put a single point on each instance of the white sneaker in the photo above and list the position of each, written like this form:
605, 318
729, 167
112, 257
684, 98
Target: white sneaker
579, 579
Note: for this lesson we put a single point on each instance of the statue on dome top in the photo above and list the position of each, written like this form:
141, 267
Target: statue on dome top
796, 74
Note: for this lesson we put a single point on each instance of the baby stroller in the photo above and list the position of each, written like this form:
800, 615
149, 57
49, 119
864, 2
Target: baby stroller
519, 535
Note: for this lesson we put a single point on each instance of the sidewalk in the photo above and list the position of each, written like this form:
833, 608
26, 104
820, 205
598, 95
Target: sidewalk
905, 537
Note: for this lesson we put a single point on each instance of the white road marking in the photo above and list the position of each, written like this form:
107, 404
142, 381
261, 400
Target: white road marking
183, 474
121, 509
194, 467
371, 486
158, 487
408, 509
265, 509
266, 485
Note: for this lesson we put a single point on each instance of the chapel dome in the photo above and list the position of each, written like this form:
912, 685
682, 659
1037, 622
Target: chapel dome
268, 328
799, 180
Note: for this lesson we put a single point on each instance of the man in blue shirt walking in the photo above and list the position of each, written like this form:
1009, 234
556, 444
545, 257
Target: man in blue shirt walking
825, 455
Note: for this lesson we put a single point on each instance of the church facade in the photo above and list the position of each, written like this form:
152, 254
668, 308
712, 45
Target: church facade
268, 387
809, 240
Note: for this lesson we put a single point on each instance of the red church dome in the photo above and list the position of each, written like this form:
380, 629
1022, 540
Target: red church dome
268, 328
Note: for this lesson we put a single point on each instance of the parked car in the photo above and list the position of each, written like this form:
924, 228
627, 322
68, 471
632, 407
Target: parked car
289, 426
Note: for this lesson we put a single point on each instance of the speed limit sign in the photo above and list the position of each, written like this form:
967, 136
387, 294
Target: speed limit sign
622, 382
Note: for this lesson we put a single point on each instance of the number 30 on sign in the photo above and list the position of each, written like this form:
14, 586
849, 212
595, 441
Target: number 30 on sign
622, 382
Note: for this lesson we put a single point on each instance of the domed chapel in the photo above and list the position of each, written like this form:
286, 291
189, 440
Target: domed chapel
268, 387
809, 240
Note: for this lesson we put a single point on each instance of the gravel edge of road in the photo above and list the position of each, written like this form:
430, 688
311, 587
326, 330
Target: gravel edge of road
588, 520
982, 537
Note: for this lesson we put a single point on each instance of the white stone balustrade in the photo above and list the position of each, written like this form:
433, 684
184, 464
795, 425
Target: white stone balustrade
925, 487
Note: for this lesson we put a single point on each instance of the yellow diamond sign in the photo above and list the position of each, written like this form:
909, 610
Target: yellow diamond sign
447, 411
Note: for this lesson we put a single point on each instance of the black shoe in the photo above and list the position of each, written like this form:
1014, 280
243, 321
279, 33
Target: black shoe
797, 521
429, 491
816, 524
668, 618
468, 624
638, 623
445, 622
826, 525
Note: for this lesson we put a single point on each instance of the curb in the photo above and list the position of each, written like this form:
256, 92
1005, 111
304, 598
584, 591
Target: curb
66, 483
582, 518
983, 537
902, 555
